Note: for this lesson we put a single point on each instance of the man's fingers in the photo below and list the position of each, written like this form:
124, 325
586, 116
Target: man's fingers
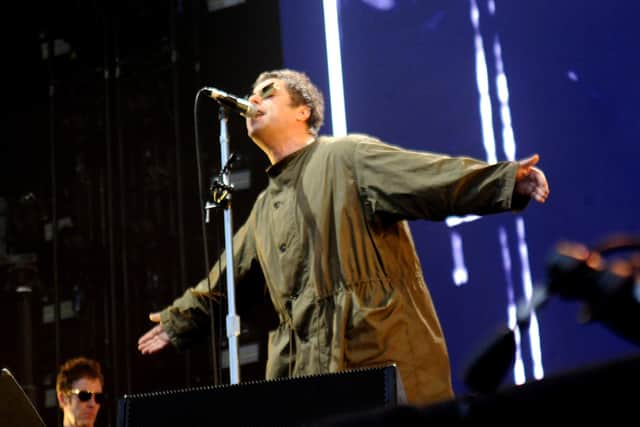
150, 335
530, 161
154, 317
146, 337
149, 348
153, 341
541, 195
535, 187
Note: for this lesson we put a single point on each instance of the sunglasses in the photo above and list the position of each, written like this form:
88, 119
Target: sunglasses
266, 92
85, 396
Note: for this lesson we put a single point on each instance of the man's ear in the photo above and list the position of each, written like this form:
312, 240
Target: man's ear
62, 399
303, 113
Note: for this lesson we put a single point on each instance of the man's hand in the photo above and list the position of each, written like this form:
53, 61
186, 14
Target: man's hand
155, 339
530, 181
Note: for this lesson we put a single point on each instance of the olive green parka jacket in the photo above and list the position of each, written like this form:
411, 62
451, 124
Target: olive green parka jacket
330, 238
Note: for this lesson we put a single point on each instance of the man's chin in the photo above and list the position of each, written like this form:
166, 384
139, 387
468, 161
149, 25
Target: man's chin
255, 134
86, 420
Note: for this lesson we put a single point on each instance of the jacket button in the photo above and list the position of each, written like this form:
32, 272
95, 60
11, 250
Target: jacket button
277, 204
283, 247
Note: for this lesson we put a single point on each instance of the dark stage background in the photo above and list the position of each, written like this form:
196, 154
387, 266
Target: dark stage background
110, 156
98, 136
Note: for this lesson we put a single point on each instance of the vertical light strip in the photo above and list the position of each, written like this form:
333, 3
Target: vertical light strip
519, 376
482, 80
508, 139
534, 331
334, 66
460, 273
509, 148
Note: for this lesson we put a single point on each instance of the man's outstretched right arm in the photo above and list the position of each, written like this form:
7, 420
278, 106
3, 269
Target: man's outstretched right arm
186, 319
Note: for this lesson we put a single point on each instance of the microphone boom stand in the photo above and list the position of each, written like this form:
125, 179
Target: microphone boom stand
222, 199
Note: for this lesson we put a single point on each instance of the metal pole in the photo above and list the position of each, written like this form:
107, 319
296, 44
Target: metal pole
233, 320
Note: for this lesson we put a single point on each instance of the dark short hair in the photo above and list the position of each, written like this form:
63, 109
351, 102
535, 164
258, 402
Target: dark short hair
76, 368
302, 91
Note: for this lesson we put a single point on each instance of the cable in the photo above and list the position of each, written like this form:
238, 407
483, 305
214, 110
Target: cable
214, 357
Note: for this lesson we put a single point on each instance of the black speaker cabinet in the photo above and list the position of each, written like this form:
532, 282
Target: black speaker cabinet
281, 402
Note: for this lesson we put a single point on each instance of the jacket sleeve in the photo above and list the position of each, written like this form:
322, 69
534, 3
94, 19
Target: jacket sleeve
407, 184
187, 318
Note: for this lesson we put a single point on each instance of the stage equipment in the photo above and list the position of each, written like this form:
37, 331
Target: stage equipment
16, 409
281, 402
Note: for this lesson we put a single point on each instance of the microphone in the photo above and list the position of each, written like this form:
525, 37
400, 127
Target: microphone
239, 105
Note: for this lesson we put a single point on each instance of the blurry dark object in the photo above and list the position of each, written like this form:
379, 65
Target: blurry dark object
606, 280
488, 369
486, 372
596, 392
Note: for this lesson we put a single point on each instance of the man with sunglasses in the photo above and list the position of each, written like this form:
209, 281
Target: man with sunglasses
79, 390
330, 238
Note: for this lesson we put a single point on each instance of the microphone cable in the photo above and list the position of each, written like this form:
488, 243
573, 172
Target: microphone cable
205, 246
